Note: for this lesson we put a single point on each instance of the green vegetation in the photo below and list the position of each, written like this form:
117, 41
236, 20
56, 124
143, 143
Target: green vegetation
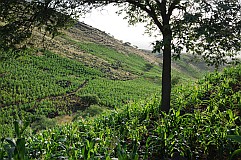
129, 62
27, 78
36, 85
191, 66
116, 93
217, 90
39, 87
200, 121
203, 115
236, 138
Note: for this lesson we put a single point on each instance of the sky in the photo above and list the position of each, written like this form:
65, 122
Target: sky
107, 20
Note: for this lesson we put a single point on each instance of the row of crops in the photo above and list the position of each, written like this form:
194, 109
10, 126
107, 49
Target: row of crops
217, 90
28, 78
116, 93
203, 116
39, 83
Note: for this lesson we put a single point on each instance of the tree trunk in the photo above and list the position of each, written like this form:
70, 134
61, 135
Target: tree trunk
166, 70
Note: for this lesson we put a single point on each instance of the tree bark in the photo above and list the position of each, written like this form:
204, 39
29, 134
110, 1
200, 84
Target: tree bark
166, 70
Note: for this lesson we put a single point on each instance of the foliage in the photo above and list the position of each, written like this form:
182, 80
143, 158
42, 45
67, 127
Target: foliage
207, 28
116, 93
236, 138
193, 65
203, 114
15, 148
148, 67
221, 90
42, 123
130, 62
219, 31
19, 19
90, 99
33, 85
91, 111
139, 131
210, 29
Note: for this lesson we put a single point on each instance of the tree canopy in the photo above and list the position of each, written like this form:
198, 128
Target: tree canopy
19, 18
203, 27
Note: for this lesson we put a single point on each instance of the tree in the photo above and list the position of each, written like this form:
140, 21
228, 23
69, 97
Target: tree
207, 28
19, 18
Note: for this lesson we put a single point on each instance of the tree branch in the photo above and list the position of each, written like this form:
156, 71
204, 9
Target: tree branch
163, 9
151, 12
173, 6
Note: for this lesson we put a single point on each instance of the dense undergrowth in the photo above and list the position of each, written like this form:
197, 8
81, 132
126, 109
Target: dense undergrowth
202, 116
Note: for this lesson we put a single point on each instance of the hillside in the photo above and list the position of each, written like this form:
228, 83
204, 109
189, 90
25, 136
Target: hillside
81, 73
203, 115
98, 49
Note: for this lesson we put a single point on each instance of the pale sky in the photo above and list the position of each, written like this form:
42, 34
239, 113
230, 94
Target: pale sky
107, 20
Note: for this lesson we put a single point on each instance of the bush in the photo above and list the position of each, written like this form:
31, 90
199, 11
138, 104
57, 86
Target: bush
90, 99
92, 111
117, 64
43, 123
148, 67
175, 80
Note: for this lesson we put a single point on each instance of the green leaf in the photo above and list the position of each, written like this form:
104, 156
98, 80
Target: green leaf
9, 150
11, 142
2, 140
236, 138
177, 113
26, 124
20, 145
16, 128
1, 153
235, 153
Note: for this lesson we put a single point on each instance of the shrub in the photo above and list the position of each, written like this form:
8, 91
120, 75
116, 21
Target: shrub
148, 67
43, 123
90, 99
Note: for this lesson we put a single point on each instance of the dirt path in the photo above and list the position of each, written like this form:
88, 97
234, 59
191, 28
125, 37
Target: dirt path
67, 94
71, 93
